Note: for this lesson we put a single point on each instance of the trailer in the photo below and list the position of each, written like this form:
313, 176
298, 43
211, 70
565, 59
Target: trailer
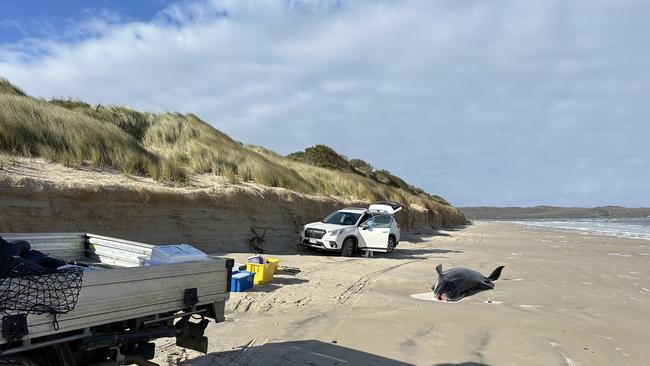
121, 306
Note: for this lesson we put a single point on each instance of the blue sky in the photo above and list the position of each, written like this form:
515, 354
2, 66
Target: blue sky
484, 103
45, 18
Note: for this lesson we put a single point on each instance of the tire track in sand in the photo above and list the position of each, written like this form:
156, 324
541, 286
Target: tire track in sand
360, 284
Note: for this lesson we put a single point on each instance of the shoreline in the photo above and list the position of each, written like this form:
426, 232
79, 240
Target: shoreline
563, 299
594, 231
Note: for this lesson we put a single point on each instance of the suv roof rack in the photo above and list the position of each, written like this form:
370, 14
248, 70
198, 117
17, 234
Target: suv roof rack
355, 208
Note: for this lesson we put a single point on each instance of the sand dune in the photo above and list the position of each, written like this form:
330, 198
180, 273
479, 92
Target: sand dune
208, 212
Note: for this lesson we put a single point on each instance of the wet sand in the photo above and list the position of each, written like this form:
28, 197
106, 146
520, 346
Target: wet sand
563, 299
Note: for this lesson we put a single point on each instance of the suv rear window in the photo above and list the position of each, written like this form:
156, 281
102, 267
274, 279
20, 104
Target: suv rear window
342, 218
381, 221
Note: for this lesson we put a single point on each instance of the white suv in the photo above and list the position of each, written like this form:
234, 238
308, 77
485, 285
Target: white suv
352, 229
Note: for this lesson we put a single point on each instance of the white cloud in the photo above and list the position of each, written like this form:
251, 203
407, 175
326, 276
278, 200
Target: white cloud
505, 103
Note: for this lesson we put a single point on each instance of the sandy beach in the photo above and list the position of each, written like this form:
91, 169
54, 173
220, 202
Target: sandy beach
563, 299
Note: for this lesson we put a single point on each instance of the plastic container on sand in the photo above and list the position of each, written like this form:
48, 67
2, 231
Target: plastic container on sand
263, 272
275, 262
241, 281
177, 253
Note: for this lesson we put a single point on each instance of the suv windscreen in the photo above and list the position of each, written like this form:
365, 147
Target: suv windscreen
342, 218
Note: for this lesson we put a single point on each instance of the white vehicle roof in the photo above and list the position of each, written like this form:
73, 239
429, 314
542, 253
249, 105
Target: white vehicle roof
354, 209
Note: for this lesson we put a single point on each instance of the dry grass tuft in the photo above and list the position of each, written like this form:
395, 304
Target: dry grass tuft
31, 127
8, 88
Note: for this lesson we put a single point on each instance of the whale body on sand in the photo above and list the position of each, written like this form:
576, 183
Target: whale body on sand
458, 282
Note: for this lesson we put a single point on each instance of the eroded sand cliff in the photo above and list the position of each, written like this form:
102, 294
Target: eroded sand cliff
36, 196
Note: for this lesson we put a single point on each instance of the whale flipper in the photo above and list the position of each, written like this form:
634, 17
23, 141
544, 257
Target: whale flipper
496, 273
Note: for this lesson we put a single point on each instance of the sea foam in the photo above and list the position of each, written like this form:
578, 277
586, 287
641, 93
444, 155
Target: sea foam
624, 228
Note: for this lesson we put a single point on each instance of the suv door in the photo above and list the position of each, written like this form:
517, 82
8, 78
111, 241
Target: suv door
373, 234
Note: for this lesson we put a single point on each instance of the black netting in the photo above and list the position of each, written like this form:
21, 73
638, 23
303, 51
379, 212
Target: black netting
29, 289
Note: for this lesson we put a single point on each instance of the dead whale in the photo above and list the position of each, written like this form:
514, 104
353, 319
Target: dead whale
458, 282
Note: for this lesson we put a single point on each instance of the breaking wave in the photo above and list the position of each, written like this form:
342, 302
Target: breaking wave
624, 228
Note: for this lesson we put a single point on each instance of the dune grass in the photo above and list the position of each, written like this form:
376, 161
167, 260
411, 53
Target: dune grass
7, 88
31, 127
172, 147
352, 185
3, 161
324, 156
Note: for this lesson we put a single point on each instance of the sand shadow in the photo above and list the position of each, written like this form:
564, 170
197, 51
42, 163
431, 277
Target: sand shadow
289, 271
277, 283
416, 238
286, 281
308, 352
415, 253
460, 227
316, 252
398, 253
423, 237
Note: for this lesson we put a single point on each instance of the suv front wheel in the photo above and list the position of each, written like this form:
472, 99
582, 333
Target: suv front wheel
347, 249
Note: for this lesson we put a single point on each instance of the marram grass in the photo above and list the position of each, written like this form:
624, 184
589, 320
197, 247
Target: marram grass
171, 147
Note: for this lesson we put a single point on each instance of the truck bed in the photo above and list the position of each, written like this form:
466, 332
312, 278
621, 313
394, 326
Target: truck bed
126, 292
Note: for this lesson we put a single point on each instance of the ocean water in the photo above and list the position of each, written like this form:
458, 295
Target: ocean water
624, 228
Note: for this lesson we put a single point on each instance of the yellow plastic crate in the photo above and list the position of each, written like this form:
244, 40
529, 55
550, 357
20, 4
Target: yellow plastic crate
263, 272
275, 262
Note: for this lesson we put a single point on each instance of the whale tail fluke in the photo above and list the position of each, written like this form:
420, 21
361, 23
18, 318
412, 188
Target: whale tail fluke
496, 273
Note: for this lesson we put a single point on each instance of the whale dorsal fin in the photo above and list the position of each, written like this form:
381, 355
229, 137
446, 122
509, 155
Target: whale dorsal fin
439, 269
496, 273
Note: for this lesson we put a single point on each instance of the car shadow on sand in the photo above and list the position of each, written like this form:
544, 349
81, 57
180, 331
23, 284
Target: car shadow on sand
416, 253
426, 236
307, 352
398, 253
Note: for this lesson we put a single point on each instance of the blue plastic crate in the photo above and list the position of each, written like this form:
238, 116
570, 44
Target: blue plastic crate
241, 281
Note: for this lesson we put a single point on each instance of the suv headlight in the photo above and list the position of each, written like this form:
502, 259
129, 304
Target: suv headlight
338, 232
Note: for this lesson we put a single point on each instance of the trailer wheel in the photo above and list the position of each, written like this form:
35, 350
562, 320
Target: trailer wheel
16, 361
347, 249
391, 244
